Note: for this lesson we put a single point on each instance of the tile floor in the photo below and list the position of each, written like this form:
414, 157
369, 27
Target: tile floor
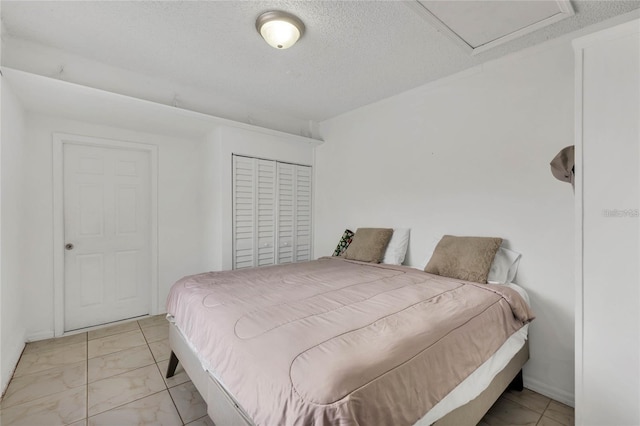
114, 376
528, 408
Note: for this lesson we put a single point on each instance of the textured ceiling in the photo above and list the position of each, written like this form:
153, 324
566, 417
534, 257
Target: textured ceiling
353, 52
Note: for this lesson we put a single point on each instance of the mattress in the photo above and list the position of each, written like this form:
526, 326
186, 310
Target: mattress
340, 342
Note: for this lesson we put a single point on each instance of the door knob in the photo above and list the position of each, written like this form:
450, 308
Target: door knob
68, 246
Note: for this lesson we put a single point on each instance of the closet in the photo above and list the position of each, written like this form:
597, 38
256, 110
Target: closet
271, 212
607, 231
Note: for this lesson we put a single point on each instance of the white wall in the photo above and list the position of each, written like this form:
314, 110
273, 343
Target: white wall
12, 326
179, 211
469, 155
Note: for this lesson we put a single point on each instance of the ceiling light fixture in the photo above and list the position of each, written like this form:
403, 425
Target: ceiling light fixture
279, 29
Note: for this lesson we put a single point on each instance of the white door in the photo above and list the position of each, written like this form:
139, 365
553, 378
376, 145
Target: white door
303, 214
607, 190
294, 213
107, 234
271, 212
286, 212
253, 212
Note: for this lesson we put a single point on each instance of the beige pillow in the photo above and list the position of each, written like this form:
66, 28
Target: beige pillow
369, 244
464, 258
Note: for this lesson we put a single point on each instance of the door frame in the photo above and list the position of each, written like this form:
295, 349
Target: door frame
59, 140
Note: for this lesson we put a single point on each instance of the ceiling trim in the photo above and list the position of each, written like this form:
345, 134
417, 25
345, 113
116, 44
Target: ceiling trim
565, 11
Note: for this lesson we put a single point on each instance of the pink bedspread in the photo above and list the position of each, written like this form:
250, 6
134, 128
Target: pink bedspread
336, 342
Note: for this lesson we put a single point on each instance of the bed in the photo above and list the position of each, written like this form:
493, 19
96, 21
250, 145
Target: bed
335, 341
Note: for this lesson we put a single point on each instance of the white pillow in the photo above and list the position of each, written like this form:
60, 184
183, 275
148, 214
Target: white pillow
504, 267
397, 247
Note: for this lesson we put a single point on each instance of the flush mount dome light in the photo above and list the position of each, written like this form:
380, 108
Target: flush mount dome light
280, 29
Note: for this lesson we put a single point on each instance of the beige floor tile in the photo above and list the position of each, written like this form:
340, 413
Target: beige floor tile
156, 409
120, 362
58, 342
178, 378
156, 333
115, 343
190, 404
127, 384
33, 386
561, 413
528, 399
203, 421
507, 413
153, 321
113, 329
46, 359
161, 350
546, 421
59, 409
127, 387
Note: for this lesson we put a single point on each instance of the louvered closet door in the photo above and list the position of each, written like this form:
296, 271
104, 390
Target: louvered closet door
266, 212
286, 212
303, 214
294, 213
243, 212
254, 207
271, 212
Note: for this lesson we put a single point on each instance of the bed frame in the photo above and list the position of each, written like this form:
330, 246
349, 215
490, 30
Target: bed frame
225, 410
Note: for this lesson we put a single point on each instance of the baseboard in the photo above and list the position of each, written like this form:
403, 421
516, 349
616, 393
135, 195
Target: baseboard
13, 358
549, 391
49, 334
41, 335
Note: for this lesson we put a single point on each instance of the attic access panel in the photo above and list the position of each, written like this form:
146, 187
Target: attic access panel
479, 25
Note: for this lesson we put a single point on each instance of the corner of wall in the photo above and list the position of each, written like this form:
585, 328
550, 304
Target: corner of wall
549, 391
12, 329
9, 364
